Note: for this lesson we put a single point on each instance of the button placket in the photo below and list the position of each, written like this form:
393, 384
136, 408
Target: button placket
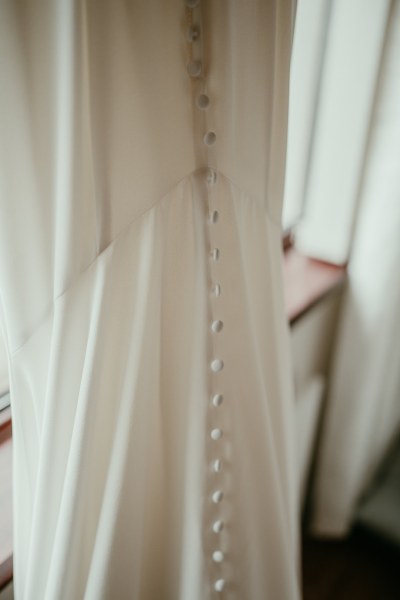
216, 326
214, 219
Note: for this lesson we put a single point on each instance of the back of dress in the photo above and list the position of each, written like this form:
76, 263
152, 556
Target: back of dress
142, 160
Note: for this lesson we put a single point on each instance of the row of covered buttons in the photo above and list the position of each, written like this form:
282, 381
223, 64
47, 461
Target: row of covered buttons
217, 364
195, 69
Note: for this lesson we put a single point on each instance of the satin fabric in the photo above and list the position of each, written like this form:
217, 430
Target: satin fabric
106, 283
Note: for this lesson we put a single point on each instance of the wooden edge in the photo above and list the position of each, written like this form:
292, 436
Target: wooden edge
287, 240
307, 282
328, 292
6, 571
5, 417
6, 566
5, 433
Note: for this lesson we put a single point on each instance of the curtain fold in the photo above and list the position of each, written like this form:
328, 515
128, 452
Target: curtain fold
338, 52
312, 21
363, 404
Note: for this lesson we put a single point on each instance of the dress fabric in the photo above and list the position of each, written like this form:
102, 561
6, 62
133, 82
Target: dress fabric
141, 175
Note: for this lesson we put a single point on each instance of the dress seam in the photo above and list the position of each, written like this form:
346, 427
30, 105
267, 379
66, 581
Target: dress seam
50, 307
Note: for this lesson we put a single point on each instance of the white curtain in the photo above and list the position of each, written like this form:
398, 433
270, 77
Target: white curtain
336, 57
312, 19
363, 406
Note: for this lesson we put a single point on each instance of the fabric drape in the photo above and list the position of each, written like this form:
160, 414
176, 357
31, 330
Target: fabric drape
337, 57
363, 405
124, 236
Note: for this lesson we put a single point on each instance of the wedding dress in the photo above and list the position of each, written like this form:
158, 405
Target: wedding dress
141, 175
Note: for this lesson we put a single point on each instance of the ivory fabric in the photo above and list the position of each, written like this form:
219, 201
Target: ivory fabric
112, 212
362, 419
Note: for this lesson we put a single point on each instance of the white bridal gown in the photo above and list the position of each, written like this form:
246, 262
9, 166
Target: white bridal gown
141, 174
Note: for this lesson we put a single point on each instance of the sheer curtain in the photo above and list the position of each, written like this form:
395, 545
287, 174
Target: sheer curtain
363, 408
336, 59
344, 140
307, 60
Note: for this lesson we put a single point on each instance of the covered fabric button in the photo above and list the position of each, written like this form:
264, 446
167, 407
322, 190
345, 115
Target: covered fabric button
218, 556
194, 68
218, 526
216, 289
192, 3
217, 399
192, 33
210, 138
217, 496
219, 585
215, 253
217, 465
211, 176
203, 101
214, 216
216, 434
217, 365
217, 326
